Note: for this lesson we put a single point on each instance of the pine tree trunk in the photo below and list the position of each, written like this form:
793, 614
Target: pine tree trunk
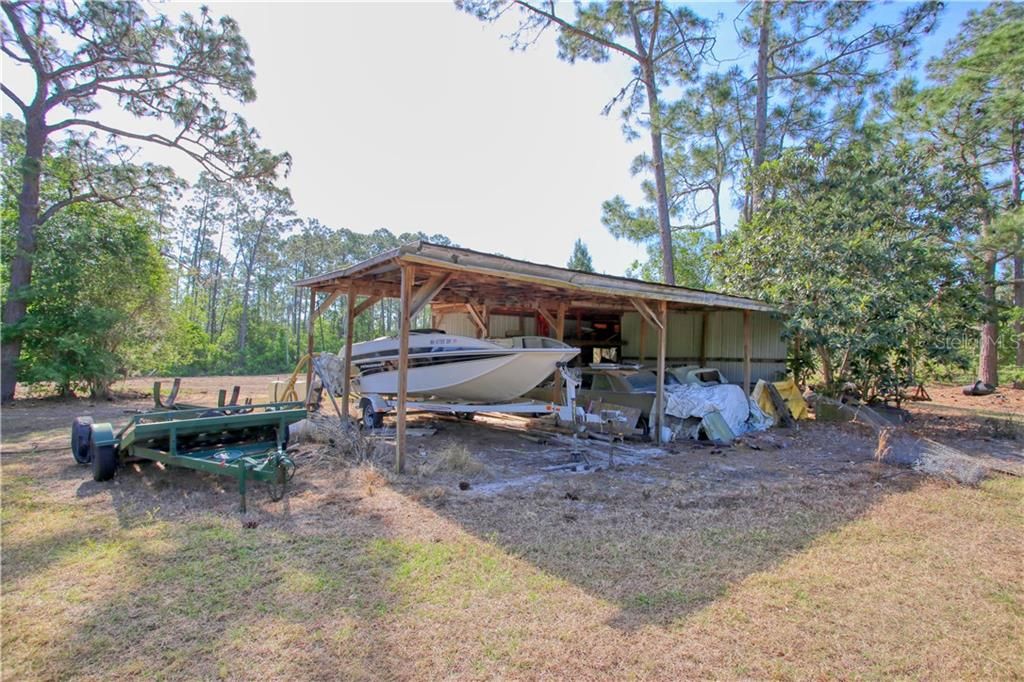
988, 360
20, 274
761, 104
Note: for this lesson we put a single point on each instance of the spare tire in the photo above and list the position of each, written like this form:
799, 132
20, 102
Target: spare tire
81, 430
104, 461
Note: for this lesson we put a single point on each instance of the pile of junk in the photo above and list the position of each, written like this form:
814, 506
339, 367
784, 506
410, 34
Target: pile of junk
703, 406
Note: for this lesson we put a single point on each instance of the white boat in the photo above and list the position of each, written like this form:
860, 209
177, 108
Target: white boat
459, 368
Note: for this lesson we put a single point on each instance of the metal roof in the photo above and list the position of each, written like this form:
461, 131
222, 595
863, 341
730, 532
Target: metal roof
545, 278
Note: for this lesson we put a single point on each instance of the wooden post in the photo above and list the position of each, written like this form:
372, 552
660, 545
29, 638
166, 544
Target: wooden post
559, 331
643, 339
748, 344
408, 274
309, 339
350, 323
662, 352
704, 334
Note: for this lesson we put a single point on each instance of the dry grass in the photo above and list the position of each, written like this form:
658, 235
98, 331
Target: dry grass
453, 457
803, 566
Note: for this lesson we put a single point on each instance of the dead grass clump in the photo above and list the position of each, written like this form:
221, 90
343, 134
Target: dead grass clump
452, 457
344, 445
372, 478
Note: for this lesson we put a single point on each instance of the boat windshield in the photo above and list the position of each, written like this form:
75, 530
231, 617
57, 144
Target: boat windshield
643, 381
529, 342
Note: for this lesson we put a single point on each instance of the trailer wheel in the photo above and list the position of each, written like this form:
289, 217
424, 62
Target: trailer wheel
372, 419
81, 428
104, 461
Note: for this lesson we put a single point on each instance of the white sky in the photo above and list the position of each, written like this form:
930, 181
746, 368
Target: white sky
419, 117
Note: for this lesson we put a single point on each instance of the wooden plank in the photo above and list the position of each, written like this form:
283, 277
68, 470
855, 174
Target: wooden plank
350, 324
309, 342
331, 298
646, 312
662, 352
428, 291
548, 317
364, 305
408, 273
559, 331
481, 326
748, 344
705, 332
643, 339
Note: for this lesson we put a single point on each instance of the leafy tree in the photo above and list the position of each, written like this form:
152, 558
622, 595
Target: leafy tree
691, 260
580, 259
848, 244
97, 299
702, 134
810, 54
972, 120
84, 56
666, 44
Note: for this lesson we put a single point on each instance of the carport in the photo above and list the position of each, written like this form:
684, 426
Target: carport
478, 286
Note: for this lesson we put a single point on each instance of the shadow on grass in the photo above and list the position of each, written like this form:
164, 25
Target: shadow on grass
667, 541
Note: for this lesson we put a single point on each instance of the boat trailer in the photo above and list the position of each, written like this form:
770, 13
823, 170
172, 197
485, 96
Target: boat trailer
245, 441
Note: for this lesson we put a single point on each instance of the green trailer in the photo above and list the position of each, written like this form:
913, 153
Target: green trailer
246, 442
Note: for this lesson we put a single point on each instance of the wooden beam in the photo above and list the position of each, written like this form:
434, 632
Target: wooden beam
645, 310
365, 305
705, 333
350, 323
478, 320
428, 291
643, 339
748, 344
548, 317
331, 298
309, 342
559, 331
408, 273
662, 352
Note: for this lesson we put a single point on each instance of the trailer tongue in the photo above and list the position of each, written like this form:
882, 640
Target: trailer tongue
246, 442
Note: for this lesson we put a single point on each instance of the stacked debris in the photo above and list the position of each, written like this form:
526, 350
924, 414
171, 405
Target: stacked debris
719, 413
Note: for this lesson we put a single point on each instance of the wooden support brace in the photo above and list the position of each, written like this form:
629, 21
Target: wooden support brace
365, 305
331, 298
428, 291
662, 352
549, 318
748, 342
408, 273
648, 314
478, 320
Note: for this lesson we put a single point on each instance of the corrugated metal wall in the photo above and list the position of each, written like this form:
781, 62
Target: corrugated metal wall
500, 326
724, 348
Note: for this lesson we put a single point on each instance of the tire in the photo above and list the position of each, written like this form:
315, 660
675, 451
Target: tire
372, 419
104, 461
81, 429
645, 428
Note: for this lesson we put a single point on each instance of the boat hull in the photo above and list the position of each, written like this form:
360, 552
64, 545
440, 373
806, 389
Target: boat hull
493, 377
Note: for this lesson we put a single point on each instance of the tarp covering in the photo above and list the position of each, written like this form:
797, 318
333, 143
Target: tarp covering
789, 391
691, 400
689, 403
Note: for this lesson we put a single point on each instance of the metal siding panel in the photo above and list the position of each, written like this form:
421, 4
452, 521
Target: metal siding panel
458, 324
501, 326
